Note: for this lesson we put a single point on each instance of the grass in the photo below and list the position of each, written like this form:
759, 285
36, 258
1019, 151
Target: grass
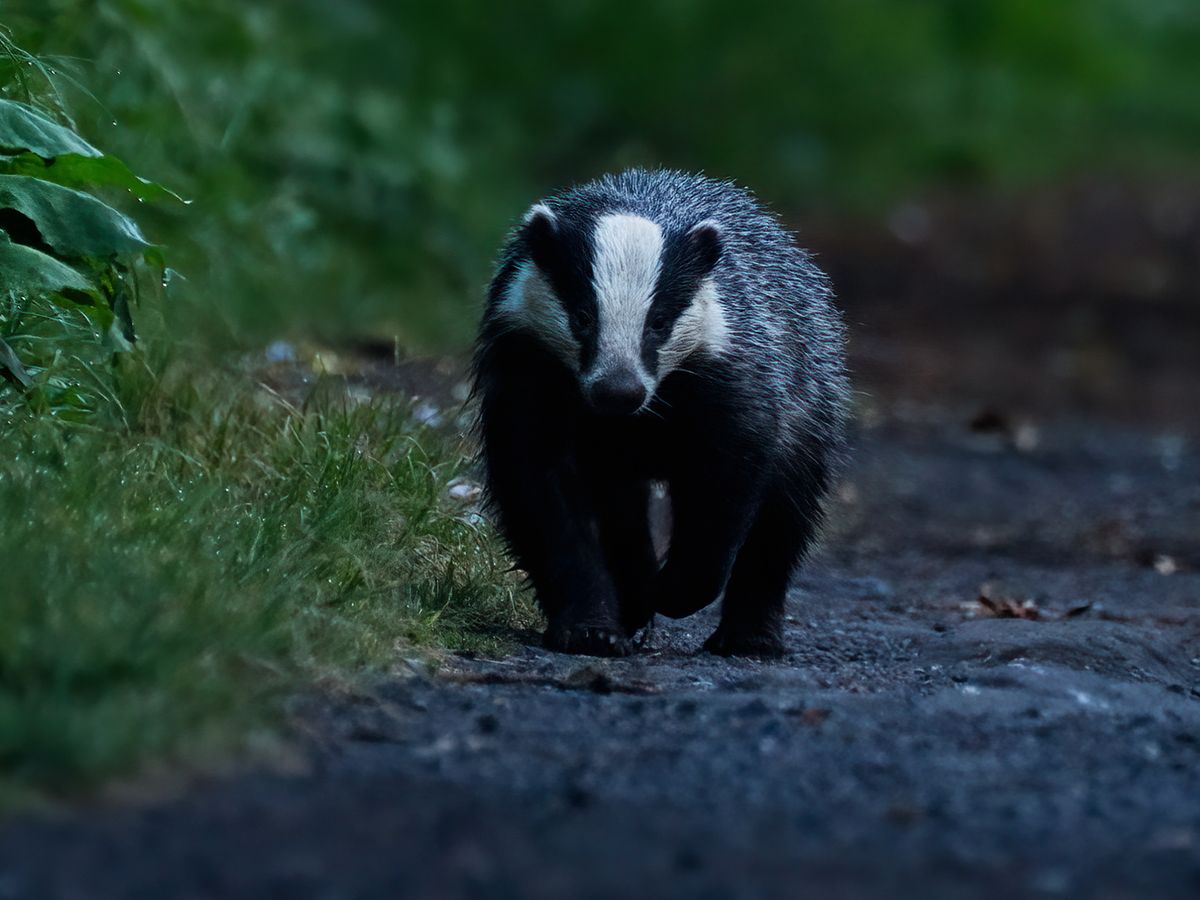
179, 548
168, 580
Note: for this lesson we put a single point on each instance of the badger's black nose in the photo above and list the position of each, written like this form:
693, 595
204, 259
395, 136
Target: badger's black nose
618, 392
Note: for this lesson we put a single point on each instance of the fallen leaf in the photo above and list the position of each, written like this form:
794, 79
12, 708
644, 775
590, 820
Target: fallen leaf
814, 715
1005, 607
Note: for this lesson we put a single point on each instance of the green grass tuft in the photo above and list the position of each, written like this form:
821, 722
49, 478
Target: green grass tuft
165, 584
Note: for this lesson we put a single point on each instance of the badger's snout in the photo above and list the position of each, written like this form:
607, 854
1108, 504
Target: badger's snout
618, 392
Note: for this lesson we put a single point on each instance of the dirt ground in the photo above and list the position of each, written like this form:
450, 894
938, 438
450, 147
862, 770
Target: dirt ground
993, 684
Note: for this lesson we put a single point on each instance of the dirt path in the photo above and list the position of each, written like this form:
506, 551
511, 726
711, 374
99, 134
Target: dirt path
911, 744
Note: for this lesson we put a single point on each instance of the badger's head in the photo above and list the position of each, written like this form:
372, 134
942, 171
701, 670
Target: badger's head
620, 300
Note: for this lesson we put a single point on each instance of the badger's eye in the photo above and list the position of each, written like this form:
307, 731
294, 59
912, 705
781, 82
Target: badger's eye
586, 326
658, 321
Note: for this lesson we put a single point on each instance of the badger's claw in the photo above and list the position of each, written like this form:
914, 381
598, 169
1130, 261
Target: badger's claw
588, 640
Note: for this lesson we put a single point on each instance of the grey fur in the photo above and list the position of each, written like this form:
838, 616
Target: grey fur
785, 339
750, 440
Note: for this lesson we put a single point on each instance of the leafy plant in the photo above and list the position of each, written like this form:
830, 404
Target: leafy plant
168, 581
71, 265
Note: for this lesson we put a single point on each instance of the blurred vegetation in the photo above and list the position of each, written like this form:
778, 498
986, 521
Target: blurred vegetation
181, 546
71, 266
354, 164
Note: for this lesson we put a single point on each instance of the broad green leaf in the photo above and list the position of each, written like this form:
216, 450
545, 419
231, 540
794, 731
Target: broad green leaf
76, 171
10, 363
73, 223
24, 128
24, 270
40, 147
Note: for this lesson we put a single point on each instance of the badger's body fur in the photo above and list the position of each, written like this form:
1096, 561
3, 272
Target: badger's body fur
658, 326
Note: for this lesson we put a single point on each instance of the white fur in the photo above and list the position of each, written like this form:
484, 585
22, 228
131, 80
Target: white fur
625, 271
539, 209
531, 303
701, 325
628, 258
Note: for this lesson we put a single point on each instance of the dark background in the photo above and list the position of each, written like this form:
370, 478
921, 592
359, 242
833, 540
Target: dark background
1006, 191
265, 543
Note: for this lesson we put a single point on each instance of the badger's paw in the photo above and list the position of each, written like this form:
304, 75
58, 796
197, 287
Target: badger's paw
588, 640
637, 618
764, 643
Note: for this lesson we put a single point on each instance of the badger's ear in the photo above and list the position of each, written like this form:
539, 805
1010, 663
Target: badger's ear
540, 233
705, 241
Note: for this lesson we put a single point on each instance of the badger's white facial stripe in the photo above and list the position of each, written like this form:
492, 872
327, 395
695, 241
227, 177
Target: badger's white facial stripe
530, 302
626, 266
701, 325
628, 257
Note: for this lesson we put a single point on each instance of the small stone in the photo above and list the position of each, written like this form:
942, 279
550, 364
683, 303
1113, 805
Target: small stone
280, 352
1165, 565
464, 490
427, 414
1026, 437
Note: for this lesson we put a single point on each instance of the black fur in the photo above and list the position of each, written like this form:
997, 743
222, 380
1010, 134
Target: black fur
747, 441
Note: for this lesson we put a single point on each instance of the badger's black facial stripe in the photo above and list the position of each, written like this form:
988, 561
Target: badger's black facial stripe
540, 233
595, 257
688, 259
704, 244
558, 246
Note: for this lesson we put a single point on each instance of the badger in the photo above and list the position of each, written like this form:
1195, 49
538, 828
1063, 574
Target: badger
658, 327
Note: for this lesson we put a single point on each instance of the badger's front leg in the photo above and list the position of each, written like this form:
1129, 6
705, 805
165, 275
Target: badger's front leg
547, 512
623, 506
752, 612
713, 508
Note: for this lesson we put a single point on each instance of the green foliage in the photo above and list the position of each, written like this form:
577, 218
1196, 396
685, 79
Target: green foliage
193, 547
25, 270
67, 260
164, 586
74, 225
36, 146
22, 128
